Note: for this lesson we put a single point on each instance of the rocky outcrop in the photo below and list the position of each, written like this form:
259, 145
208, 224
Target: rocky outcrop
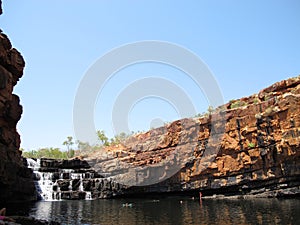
15, 178
249, 146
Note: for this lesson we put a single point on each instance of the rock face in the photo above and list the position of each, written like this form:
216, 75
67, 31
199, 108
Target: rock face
249, 146
15, 178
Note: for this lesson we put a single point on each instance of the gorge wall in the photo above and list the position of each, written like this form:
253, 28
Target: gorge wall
249, 146
15, 178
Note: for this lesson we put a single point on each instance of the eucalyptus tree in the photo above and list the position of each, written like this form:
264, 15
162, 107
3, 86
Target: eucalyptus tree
69, 143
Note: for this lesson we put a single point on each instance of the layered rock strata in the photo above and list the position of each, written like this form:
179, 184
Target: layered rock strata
15, 178
248, 146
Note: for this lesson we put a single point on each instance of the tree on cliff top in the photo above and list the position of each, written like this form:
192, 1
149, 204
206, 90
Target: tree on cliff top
69, 142
102, 137
121, 137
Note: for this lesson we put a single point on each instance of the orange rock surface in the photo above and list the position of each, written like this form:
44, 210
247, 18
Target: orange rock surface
252, 142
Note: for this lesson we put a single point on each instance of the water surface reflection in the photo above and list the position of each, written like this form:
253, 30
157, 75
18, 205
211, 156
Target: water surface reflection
170, 211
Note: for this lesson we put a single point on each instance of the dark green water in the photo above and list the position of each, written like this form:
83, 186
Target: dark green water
169, 211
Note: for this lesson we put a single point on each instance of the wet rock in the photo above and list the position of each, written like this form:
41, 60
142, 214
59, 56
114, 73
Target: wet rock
52, 164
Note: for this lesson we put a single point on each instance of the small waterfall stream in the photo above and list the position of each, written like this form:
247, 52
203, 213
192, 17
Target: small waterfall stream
54, 182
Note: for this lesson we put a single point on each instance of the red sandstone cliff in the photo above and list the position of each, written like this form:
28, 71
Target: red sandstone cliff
15, 178
249, 146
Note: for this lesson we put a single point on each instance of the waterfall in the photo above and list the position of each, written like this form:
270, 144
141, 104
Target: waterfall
54, 184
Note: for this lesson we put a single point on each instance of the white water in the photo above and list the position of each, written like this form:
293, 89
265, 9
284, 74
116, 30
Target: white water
47, 186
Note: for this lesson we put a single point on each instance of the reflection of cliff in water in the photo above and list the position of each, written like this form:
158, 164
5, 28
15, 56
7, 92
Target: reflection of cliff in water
171, 210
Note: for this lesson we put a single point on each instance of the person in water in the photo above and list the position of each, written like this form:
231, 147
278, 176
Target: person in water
3, 217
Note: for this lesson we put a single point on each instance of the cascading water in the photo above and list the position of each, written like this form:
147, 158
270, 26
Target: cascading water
54, 183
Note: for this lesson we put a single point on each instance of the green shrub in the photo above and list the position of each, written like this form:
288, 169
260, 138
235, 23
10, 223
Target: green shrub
236, 104
255, 101
251, 145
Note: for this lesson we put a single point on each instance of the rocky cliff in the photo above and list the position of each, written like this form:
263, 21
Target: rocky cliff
249, 146
15, 178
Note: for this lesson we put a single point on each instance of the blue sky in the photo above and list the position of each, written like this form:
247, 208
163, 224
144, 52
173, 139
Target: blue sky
247, 45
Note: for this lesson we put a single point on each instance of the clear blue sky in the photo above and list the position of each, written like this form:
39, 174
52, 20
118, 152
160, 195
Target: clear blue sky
248, 45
